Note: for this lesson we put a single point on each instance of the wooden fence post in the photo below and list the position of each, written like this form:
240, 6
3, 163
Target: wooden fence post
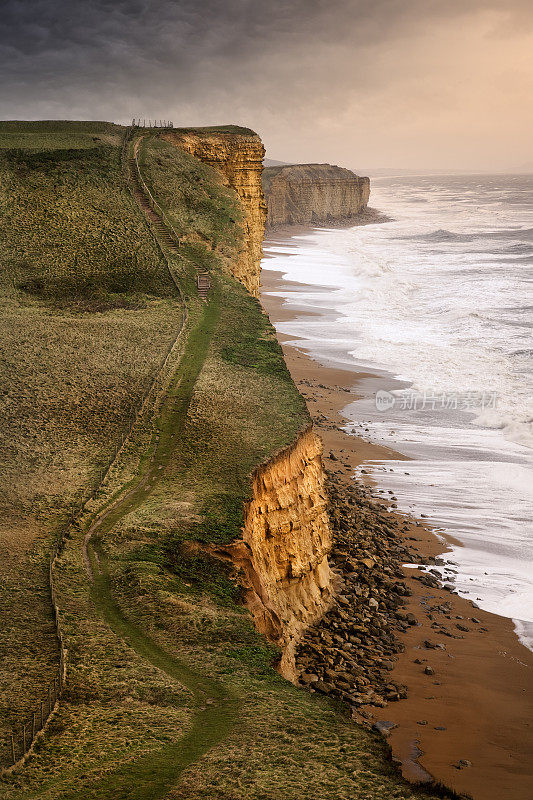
13, 748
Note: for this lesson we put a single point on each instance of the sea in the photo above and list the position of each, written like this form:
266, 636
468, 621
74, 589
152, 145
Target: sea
435, 304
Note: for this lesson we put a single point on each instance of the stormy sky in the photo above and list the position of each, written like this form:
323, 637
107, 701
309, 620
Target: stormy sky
362, 83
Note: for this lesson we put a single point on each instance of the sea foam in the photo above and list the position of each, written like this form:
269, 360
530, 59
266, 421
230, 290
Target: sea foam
439, 298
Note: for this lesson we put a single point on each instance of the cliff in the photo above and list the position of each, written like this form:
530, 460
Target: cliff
283, 554
237, 154
220, 455
313, 193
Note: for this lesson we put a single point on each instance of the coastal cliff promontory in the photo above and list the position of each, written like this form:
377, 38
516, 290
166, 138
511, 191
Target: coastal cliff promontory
282, 551
238, 155
313, 193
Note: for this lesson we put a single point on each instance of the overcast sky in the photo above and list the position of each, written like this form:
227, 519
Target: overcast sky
362, 83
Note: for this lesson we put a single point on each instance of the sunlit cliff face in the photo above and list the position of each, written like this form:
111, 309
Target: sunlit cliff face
421, 83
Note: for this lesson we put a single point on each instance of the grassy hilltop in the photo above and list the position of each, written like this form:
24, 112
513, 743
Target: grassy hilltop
80, 305
170, 693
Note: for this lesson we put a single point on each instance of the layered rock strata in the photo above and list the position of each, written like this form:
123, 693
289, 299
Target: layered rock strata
283, 554
239, 159
313, 193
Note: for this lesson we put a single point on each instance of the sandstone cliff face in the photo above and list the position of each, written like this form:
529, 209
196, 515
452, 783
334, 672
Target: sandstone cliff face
282, 556
283, 553
239, 158
313, 193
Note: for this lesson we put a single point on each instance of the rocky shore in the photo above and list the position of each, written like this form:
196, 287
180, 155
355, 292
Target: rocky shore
350, 653
447, 683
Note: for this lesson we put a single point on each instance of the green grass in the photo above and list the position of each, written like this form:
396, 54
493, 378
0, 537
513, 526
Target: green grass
74, 367
163, 630
257, 412
151, 775
56, 135
200, 208
66, 127
71, 233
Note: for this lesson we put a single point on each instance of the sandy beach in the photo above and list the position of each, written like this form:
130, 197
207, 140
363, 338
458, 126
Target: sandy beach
469, 722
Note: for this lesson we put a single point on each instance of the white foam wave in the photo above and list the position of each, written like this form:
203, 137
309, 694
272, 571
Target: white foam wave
519, 430
441, 298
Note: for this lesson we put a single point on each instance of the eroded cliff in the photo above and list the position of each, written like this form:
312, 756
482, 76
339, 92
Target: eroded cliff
313, 193
238, 156
283, 554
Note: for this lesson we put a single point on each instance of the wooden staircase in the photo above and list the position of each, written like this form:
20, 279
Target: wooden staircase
204, 284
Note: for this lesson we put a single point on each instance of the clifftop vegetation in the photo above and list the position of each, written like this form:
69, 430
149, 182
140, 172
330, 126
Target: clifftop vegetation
171, 693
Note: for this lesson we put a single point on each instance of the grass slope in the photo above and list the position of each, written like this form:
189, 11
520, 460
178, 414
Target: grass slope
79, 350
56, 135
200, 209
162, 632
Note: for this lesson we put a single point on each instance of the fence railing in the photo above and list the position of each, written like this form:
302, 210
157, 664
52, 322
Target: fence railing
152, 123
22, 738
20, 744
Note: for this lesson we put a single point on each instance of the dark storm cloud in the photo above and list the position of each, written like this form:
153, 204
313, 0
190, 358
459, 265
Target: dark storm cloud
214, 60
67, 45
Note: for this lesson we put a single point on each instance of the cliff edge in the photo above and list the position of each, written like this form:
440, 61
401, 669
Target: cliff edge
282, 557
237, 154
281, 554
312, 193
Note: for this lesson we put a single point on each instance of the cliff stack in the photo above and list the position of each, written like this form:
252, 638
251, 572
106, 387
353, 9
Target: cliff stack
313, 194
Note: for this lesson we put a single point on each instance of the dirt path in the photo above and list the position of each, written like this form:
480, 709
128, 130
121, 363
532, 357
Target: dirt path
151, 776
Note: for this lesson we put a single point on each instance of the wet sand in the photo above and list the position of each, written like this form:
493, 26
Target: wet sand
477, 706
